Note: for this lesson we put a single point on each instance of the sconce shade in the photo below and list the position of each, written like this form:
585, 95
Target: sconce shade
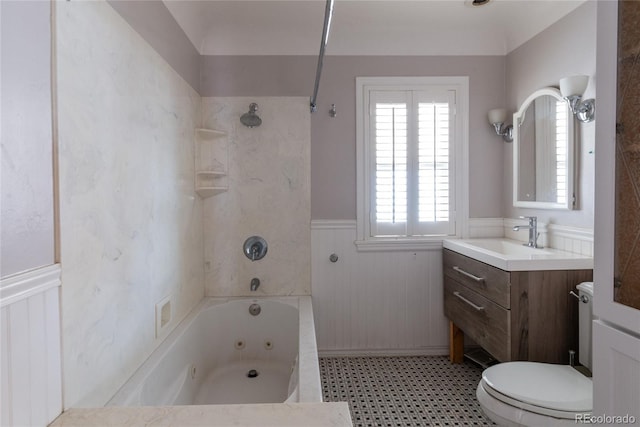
497, 115
574, 85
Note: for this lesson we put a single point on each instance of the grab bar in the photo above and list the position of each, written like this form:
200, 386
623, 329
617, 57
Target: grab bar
469, 275
328, 12
476, 307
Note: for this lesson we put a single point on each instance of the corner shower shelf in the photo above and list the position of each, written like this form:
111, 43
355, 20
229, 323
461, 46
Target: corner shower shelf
211, 162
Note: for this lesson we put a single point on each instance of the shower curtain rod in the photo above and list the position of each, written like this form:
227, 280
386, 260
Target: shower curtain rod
328, 12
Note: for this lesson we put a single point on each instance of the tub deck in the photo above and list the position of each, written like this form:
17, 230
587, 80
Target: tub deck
278, 414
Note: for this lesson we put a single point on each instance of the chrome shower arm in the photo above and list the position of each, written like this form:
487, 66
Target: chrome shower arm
328, 13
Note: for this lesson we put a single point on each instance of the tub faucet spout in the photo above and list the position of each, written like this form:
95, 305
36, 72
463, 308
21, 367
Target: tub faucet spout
255, 284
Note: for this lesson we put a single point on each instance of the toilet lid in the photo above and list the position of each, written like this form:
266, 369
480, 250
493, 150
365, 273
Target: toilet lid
557, 387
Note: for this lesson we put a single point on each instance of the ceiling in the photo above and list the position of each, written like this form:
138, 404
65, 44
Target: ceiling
365, 27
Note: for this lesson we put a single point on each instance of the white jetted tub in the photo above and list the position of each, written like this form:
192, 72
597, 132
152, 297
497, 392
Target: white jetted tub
221, 353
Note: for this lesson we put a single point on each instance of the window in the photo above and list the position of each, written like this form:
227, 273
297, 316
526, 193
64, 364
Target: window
561, 152
550, 119
410, 152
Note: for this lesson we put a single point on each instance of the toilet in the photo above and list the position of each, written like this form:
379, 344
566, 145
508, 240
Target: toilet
542, 394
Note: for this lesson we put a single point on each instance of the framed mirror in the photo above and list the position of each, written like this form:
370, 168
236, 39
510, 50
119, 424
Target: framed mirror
543, 152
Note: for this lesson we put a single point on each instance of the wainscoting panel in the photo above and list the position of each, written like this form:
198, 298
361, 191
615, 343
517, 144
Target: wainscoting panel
375, 302
31, 375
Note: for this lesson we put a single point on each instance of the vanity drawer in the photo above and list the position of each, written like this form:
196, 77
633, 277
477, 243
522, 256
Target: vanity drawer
480, 319
484, 279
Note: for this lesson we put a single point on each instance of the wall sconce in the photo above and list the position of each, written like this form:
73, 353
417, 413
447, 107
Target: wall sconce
497, 117
572, 89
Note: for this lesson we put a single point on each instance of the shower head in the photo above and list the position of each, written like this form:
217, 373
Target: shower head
251, 119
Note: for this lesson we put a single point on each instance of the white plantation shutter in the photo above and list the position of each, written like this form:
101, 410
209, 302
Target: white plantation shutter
390, 163
435, 199
411, 170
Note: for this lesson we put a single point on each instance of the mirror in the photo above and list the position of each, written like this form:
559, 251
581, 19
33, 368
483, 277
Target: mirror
543, 152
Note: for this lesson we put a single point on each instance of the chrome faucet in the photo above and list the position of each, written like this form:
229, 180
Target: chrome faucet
255, 284
533, 231
255, 248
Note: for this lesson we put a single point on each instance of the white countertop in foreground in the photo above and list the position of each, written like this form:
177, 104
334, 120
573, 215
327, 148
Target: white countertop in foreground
328, 414
511, 255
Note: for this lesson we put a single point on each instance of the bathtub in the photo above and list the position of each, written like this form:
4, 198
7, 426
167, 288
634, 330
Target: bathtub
222, 354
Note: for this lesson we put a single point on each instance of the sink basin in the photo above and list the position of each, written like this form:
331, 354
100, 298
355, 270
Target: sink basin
507, 247
511, 255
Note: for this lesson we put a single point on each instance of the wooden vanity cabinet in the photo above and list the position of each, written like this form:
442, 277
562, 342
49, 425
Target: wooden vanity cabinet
517, 315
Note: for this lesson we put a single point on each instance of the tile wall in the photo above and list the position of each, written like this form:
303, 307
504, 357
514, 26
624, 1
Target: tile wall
268, 195
130, 223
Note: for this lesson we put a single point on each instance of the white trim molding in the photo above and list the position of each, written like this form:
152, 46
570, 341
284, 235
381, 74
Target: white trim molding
333, 224
383, 245
562, 237
404, 244
23, 285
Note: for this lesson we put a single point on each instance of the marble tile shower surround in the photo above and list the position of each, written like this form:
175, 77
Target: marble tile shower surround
130, 223
627, 220
269, 196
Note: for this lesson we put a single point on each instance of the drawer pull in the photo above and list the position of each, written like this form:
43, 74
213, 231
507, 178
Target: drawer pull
476, 307
469, 275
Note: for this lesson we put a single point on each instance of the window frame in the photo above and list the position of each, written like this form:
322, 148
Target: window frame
460, 152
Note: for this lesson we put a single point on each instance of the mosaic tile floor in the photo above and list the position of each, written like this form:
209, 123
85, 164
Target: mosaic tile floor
404, 391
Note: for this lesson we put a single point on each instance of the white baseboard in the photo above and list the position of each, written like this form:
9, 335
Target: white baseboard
431, 351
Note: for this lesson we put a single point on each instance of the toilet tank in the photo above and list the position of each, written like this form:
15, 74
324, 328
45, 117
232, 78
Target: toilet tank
585, 322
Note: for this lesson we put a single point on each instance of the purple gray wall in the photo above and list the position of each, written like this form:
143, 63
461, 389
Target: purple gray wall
566, 48
153, 21
333, 140
27, 225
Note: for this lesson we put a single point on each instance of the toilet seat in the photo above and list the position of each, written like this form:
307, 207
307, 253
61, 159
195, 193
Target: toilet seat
557, 391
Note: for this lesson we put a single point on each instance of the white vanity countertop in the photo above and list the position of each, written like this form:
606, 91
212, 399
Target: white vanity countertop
511, 255
334, 414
